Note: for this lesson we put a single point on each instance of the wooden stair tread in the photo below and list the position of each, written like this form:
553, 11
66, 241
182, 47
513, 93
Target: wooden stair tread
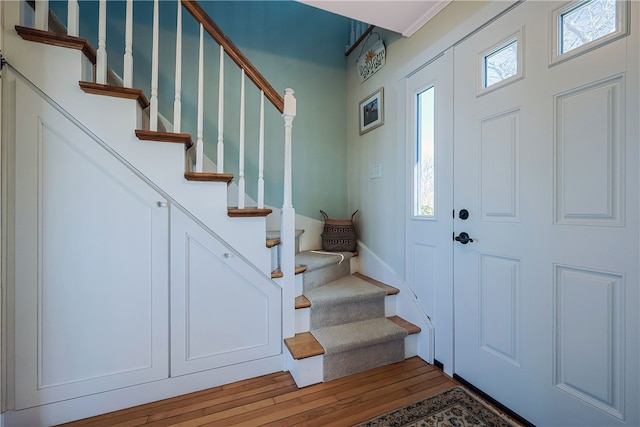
150, 135
410, 327
115, 91
247, 212
302, 302
62, 40
390, 289
208, 177
273, 242
303, 345
278, 273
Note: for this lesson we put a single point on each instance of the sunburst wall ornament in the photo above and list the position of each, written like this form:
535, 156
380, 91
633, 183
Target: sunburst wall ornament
372, 60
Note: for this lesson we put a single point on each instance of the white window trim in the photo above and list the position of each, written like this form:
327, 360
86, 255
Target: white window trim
622, 30
518, 37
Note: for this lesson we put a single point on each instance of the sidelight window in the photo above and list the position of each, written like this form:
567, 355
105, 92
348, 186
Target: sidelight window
424, 179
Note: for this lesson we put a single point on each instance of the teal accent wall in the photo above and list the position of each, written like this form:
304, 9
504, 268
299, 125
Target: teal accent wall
292, 45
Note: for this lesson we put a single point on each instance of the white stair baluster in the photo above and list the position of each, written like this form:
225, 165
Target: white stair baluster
261, 154
177, 103
73, 18
200, 125
101, 53
241, 147
42, 15
287, 222
220, 147
128, 45
153, 116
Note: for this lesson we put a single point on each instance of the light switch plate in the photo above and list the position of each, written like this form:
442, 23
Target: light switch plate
375, 171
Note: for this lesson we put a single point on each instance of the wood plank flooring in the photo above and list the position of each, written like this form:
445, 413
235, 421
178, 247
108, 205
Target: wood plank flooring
274, 400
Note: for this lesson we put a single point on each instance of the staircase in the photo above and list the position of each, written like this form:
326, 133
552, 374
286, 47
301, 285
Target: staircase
342, 323
345, 322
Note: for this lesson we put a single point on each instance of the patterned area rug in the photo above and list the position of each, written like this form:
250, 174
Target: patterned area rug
452, 408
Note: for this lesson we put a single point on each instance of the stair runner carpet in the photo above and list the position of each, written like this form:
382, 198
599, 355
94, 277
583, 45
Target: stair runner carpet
347, 317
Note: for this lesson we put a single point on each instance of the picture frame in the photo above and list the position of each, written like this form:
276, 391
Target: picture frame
371, 111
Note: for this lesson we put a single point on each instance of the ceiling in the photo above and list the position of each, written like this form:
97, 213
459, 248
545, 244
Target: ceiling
404, 16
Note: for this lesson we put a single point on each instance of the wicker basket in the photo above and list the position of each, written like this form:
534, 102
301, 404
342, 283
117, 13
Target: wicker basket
339, 234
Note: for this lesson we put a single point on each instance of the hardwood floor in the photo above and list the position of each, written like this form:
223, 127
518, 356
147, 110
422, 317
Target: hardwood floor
274, 400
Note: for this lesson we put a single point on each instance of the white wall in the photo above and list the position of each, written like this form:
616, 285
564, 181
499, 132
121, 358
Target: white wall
381, 200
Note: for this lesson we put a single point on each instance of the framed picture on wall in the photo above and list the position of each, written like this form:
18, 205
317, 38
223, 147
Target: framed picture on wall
372, 111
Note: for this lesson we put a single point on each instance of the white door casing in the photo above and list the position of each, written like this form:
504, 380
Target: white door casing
546, 295
429, 264
3, 204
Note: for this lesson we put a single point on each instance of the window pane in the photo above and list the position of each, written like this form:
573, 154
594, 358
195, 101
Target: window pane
501, 64
424, 184
588, 22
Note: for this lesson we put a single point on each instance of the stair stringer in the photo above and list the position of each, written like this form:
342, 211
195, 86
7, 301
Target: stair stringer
162, 164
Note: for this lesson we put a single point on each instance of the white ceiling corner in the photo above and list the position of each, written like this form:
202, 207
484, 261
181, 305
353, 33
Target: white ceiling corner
404, 17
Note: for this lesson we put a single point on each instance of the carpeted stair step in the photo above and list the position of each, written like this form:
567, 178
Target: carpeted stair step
358, 346
345, 300
323, 267
305, 345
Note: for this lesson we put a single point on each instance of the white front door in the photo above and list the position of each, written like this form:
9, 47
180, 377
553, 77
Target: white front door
546, 163
429, 94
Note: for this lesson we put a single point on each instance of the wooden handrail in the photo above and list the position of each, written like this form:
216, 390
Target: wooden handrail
360, 40
232, 50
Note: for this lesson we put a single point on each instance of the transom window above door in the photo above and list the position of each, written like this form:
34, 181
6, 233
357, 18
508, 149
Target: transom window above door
585, 25
501, 64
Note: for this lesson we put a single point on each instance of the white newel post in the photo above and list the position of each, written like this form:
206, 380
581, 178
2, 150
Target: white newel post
42, 15
73, 18
220, 147
101, 53
177, 102
153, 101
200, 124
261, 154
288, 223
241, 147
128, 45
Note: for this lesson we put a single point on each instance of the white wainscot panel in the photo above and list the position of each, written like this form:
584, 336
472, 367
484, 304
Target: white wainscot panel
217, 293
500, 307
223, 311
499, 142
588, 325
102, 275
424, 274
589, 150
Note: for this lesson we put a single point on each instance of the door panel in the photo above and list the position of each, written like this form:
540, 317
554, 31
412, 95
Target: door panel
223, 312
546, 294
428, 233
